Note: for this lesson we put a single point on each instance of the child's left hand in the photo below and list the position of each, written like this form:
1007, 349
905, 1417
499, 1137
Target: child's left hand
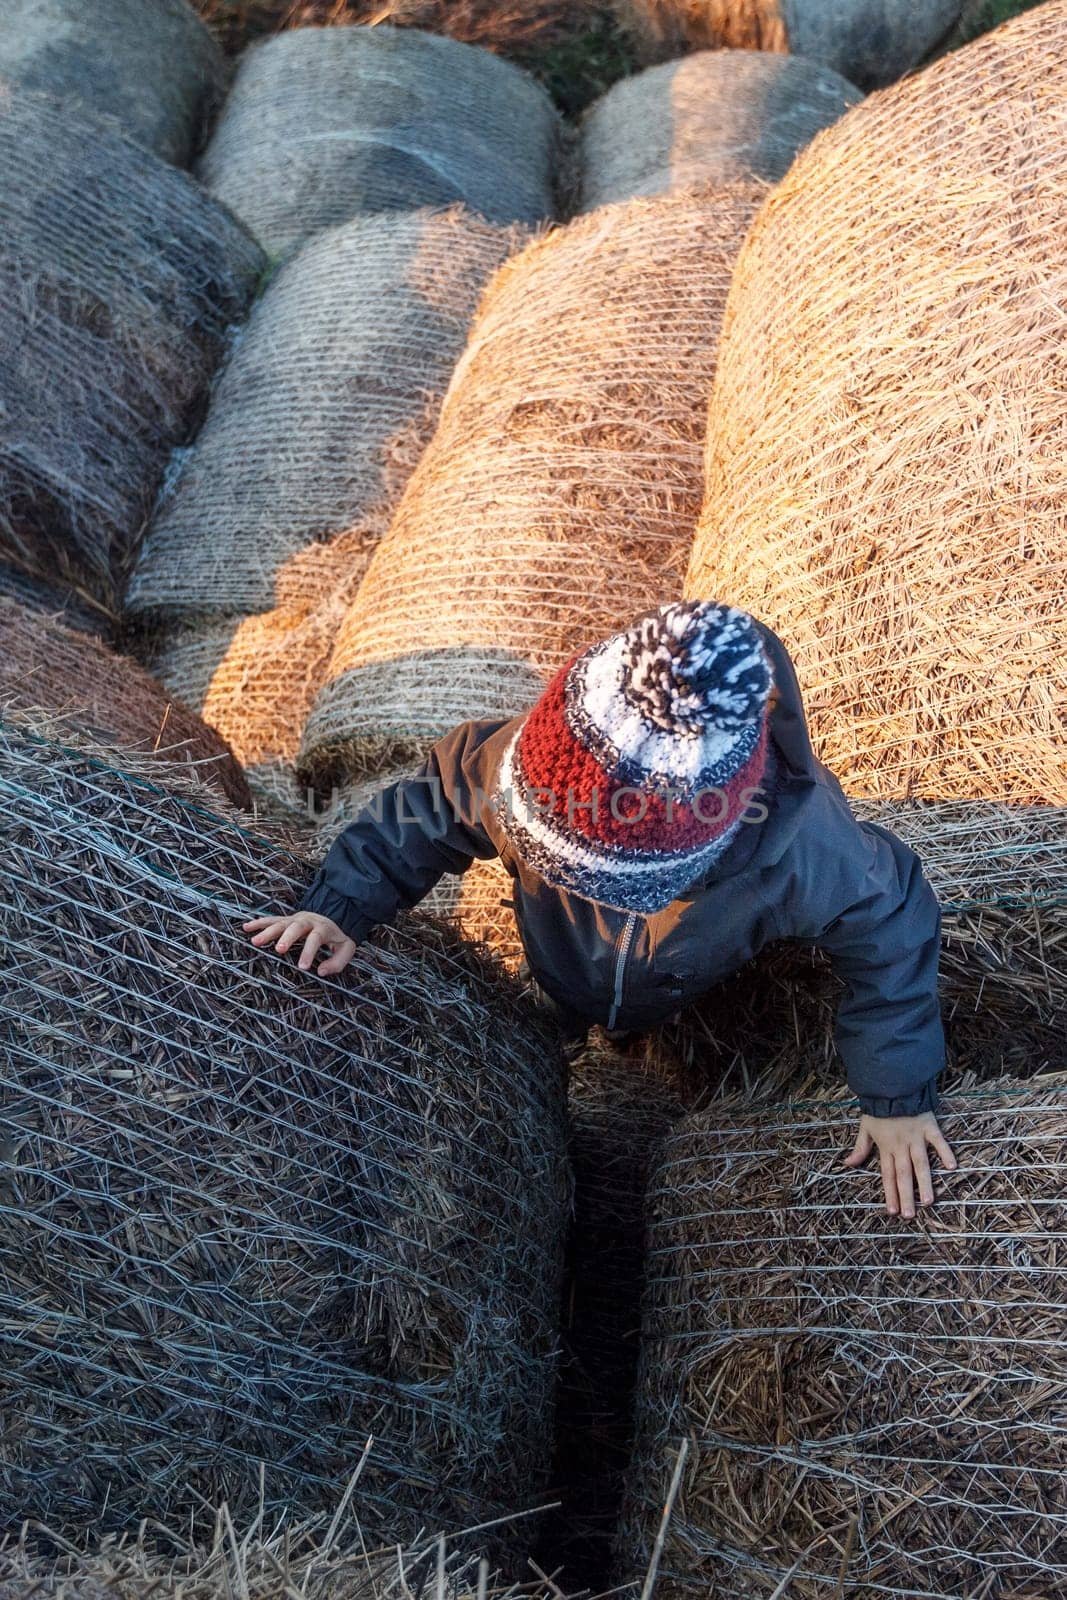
902, 1148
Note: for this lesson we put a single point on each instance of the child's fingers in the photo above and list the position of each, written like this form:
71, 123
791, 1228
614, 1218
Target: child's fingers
258, 922
337, 962
905, 1183
311, 944
889, 1183
295, 930
937, 1139
921, 1164
861, 1149
274, 927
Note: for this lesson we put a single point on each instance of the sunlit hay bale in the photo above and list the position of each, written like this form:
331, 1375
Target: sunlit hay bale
252, 1215
713, 117
872, 1406
119, 279
74, 683
322, 410
72, 607
871, 42
512, 27
325, 123
254, 678
886, 436
558, 497
149, 64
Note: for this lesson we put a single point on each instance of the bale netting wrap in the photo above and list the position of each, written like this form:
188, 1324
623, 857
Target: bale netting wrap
558, 497
886, 437
250, 1215
716, 116
873, 1407
871, 42
74, 682
325, 123
152, 65
322, 410
254, 678
120, 279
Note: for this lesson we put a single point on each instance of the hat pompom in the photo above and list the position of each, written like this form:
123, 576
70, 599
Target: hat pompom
696, 666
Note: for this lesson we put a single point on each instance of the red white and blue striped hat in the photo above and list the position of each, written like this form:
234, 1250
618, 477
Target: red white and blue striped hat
631, 775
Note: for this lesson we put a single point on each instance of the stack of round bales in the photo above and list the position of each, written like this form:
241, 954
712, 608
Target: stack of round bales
558, 497
871, 1406
715, 116
152, 65
885, 468
72, 683
252, 1215
872, 42
325, 123
315, 425
119, 279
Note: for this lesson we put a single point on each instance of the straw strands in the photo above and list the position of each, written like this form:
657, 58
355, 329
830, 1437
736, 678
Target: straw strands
322, 410
150, 64
886, 444
325, 123
872, 1406
251, 1215
713, 117
558, 497
502, 25
119, 278
76, 684
871, 42
74, 609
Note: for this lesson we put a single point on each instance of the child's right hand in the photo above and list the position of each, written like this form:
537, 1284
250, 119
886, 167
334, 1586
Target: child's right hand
315, 931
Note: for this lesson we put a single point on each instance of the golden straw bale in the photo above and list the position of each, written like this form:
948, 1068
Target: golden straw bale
74, 683
887, 436
872, 42
558, 497
872, 1407
716, 116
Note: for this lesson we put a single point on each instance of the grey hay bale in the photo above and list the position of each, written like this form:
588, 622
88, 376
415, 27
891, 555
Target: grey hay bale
73, 608
119, 279
325, 123
559, 494
74, 682
713, 117
321, 411
152, 65
870, 42
252, 1216
872, 1407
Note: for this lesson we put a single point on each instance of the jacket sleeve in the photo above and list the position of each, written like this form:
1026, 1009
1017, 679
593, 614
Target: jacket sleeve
870, 907
411, 833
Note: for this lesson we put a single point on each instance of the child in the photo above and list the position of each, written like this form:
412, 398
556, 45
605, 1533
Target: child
662, 816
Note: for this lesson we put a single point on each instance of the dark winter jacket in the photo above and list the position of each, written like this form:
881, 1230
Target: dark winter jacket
809, 872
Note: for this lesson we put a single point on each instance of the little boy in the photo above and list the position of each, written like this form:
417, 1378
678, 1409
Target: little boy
662, 816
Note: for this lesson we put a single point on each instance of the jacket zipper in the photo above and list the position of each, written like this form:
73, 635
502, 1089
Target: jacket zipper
626, 939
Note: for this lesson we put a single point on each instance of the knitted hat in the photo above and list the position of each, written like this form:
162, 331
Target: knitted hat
633, 771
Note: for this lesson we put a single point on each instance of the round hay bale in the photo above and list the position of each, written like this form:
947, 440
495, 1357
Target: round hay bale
150, 64
322, 410
73, 608
250, 1215
558, 497
325, 123
886, 436
872, 1407
69, 679
119, 278
870, 42
715, 117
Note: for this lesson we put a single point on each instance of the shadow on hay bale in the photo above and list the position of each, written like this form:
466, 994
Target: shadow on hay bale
558, 496
884, 483
322, 410
716, 117
872, 1407
871, 42
250, 1215
119, 280
73, 607
76, 684
150, 64
325, 123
